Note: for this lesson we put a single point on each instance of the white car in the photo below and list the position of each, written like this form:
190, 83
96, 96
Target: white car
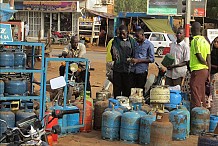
160, 40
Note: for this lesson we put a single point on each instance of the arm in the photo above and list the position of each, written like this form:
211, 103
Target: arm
149, 59
82, 51
208, 62
66, 51
201, 59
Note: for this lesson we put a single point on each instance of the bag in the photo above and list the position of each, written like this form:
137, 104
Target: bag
207, 88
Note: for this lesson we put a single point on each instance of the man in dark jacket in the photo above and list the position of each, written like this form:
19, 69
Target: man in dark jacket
122, 49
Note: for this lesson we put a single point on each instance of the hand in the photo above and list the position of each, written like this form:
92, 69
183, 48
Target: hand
170, 67
134, 60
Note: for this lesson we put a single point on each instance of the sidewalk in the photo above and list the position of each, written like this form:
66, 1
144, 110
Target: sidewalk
89, 48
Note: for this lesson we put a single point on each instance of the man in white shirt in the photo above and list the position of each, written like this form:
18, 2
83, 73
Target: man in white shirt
74, 49
181, 52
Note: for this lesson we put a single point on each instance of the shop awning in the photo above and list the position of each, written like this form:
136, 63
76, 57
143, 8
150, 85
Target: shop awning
102, 14
158, 25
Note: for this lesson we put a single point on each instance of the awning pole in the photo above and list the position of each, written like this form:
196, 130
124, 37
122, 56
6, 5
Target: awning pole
106, 34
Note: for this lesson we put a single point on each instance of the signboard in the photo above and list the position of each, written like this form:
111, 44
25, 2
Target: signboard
174, 7
212, 34
5, 33
198, 8
162, 7
62, 6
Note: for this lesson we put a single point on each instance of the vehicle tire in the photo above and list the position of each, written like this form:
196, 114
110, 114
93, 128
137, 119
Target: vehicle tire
160, 51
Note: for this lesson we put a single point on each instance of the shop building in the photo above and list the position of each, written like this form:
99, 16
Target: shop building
60, 16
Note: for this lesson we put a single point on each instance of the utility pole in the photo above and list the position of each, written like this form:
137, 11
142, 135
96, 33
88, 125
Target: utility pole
187, 21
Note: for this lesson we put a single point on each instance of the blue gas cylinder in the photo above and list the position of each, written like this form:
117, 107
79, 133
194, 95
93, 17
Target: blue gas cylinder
200, 120
60, 120
26, 112
110, 128
129, 129
145, 128
179, 121
2, 87
16, 86
175, 99
113, 102
19, 60
213, 122
72, 119
7, 115
183, 109
120, 110
6, 59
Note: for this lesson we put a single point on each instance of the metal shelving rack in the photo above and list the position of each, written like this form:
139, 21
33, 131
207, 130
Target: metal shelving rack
30, 70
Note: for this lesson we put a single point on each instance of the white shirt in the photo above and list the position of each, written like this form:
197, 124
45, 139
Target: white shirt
26, 27
79, 52
181, 53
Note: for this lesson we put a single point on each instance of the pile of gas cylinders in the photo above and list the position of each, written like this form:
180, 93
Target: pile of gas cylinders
12, 85
11, 117
155, 126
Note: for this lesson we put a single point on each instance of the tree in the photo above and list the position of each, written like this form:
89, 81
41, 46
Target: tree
212, 9
130, 6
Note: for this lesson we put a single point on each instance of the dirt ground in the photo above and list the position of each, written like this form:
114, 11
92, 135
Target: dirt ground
94, 138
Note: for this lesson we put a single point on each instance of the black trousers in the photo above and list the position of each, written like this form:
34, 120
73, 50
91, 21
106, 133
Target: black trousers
139, 80
122, 84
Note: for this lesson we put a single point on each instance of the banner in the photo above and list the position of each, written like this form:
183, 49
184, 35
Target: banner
198, 8
61, 6
162, 7
5, 33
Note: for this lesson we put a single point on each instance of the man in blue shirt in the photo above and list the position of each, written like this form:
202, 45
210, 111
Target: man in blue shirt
144, 54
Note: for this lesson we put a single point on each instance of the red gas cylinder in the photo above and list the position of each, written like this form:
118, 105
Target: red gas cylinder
88, 116
49, 126
50, 140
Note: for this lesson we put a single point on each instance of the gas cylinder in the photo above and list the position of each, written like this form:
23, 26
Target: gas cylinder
200, 120
187, 113
27, 112
145, 128
16, 86
175, 99
6, 59
50, 140
161, 131
50, 125
110, 128
88, 117
19, 60
179, 120
2, 87
160, 94
60, 120
102, 95
72, 119
213, 122
129, 129
116, 109
209, 139
7, 115
100, 106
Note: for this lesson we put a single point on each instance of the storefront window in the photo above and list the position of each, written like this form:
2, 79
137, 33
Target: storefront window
54, 25
46, 23
66, 21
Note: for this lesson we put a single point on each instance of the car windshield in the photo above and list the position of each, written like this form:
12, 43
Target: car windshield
171, 37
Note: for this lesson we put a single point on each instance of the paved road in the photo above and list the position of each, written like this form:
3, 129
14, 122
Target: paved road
95, 56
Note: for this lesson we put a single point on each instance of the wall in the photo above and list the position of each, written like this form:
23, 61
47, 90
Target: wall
91, 5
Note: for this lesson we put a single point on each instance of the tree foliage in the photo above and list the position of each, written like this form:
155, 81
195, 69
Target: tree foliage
130, 6
212, 9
